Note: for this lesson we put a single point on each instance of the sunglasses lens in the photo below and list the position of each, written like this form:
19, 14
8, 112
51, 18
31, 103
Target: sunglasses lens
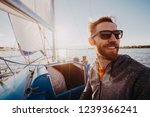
105, 34
118, 34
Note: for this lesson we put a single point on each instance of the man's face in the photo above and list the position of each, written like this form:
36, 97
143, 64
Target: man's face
107, 48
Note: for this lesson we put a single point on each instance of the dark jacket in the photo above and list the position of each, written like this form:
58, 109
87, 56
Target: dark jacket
124, 79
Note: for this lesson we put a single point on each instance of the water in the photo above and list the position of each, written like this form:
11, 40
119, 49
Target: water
140, 54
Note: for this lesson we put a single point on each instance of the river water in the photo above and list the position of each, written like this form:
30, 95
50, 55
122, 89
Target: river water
142, 55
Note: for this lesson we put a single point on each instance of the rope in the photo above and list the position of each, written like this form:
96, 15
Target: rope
2, 58
27, 61
43, 42
9, 67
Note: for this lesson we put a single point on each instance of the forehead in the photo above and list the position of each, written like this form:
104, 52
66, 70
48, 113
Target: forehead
106, 26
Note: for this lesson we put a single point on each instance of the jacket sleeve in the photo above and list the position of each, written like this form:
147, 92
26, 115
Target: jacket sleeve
142, 86
87, 93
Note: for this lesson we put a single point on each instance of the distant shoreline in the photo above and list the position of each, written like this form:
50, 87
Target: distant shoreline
136, 46
121, 47
131, 47
6, 48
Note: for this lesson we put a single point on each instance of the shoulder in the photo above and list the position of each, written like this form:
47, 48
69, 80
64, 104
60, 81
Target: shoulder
128, 65
127, 61
123, 58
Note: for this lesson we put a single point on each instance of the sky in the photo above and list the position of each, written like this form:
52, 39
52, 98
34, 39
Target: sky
72, 17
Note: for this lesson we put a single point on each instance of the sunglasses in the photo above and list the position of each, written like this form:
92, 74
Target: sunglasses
106, 34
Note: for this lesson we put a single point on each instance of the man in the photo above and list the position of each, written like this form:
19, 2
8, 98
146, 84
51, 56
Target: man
113, 76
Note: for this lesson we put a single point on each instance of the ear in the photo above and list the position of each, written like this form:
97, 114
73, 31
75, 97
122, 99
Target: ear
91, 41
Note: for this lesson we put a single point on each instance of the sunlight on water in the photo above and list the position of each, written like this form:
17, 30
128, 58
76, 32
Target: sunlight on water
141, 55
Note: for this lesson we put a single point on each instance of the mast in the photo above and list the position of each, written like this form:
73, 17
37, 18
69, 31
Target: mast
53, 33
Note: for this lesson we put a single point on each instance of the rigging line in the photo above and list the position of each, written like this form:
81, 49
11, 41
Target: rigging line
16, 39
26, 60
43, 42
11, 56
9, 67
49, 47
2, 58
20, 63
44, 58
33, 61
47, 41
42, 35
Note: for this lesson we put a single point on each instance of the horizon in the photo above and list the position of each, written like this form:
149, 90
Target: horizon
87, 47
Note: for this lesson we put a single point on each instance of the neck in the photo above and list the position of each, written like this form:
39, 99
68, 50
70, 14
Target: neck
103, 62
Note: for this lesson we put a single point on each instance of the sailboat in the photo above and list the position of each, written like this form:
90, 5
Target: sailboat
45, 78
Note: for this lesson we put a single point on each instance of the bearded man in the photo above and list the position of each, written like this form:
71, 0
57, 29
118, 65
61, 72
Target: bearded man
112, 76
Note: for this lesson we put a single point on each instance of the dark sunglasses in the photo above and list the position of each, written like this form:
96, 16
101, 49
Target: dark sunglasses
106, 34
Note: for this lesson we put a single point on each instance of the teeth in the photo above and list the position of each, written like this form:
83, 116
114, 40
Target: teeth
111, 47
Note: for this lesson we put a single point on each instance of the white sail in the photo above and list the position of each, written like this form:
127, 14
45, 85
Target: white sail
27, 33
43, 8
28, 19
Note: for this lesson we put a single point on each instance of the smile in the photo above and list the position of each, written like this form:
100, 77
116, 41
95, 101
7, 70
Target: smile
112, 47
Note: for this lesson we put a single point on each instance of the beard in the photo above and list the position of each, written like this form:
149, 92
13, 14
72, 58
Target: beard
102, 50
